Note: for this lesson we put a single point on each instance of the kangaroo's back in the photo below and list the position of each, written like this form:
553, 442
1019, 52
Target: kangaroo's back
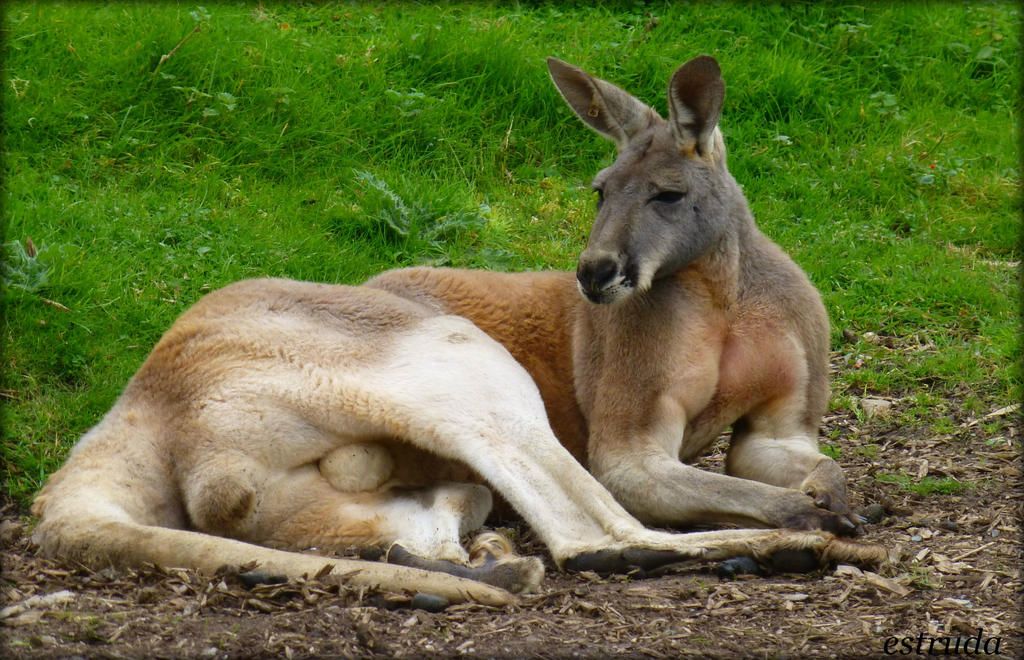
531, 314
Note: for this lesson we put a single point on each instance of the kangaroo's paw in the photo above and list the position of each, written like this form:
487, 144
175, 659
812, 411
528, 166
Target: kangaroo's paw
802, 511
826, 486
492, 562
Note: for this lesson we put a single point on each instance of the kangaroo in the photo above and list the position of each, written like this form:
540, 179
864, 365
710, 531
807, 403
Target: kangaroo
275, 416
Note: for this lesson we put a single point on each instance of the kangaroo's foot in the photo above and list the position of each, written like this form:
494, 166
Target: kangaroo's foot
492, 561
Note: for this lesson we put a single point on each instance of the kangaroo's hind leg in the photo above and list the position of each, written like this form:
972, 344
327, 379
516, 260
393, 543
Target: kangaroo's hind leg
300, 509
781, 451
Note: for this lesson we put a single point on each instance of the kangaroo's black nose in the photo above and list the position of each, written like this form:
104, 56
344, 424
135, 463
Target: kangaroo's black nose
595, 274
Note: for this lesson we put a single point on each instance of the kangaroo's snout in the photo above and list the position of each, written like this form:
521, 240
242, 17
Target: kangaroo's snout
600, 277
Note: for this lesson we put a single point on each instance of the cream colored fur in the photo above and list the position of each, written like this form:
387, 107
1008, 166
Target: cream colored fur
275, 416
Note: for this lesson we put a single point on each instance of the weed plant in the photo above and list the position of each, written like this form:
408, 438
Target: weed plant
153, 152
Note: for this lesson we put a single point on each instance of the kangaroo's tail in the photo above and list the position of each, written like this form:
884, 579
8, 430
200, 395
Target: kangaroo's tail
105, 535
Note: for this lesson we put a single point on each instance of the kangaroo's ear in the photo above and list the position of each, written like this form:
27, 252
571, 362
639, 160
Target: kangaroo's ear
695, 96
602, 106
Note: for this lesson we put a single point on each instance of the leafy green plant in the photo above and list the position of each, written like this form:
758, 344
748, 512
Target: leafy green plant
869, 450
832, 451
432, 220
21, 269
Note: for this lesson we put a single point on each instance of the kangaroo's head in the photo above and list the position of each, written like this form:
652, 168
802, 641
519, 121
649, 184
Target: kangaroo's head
662, 203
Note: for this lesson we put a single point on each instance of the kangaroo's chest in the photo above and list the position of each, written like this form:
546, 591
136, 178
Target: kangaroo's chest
683, 376
745, 364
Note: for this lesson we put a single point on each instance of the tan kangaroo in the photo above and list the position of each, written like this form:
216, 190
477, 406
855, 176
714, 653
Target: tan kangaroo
276, 416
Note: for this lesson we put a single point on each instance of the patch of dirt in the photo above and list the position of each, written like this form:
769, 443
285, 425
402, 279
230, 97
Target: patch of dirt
958, 577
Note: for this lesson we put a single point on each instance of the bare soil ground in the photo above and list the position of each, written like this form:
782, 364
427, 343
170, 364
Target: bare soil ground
958, 576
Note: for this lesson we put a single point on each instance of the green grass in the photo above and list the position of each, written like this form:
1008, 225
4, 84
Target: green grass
926, 485
877, 145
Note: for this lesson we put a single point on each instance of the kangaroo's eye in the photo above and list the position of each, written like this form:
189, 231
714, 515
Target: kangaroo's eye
668, 197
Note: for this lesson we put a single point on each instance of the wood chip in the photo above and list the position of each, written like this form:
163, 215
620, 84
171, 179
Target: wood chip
876, 408
953, 603
1006, 410
843, 596
29, 618
945, 565
42, 602
876, 580
259, 605
973, 551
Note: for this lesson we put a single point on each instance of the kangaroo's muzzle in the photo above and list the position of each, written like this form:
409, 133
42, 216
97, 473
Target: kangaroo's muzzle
600, 277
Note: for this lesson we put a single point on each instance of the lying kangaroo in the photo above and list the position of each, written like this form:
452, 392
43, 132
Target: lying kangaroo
277, 416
